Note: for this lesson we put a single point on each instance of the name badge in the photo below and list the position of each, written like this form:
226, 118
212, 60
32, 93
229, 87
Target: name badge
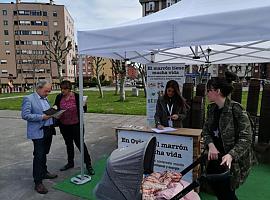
170, 123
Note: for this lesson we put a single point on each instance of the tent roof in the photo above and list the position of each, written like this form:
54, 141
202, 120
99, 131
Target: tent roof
172, 34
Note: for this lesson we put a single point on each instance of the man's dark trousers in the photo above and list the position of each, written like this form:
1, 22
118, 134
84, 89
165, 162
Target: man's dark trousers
41, 149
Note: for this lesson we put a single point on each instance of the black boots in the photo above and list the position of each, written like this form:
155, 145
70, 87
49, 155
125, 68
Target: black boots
90, 170
67, 166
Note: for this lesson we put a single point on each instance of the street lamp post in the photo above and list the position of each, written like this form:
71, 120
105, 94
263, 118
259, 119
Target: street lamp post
74, 62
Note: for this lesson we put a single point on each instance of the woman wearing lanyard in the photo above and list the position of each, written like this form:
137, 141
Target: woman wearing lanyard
171, 108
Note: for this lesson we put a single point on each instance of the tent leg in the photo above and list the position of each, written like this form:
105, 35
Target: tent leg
82, 178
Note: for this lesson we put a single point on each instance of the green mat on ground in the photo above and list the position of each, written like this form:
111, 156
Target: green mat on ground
256, 186
86, 190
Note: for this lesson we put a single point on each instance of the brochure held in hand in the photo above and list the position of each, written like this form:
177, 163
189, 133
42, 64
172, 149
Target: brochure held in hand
54, 112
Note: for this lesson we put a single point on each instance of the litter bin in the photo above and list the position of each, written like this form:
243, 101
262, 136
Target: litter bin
135, 92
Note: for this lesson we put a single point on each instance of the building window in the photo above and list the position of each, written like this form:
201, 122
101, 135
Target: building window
7, 52
46, 33
23, 23
55, 23
6, 42
5, 32
4, 71
36, 23
45, 23
55, 14
4, 12
150, 6
63, 71
3, 61
45, 13
171, 2
5, 22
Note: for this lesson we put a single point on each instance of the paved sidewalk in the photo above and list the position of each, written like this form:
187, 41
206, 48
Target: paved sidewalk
16, 181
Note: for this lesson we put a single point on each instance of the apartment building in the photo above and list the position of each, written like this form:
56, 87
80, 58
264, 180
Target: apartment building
151, 6
24, 27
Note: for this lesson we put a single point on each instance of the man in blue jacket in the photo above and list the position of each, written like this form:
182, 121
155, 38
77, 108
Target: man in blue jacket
40, 130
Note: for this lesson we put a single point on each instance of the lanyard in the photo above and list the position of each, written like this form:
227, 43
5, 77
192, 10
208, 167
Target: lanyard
170, 123
170, 109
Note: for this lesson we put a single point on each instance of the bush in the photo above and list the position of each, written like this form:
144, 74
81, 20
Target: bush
106, 83
93, 82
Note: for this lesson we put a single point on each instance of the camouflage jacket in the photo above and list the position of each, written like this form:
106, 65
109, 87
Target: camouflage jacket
161, 116
236, 140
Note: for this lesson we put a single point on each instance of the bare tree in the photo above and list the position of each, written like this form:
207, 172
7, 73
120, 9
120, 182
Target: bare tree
123, 75
115, 71
98, 67
58, 49
142, 70
235, 69
202, 70
248, 70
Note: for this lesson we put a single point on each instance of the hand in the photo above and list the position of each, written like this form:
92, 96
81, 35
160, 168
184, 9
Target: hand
45, 117
175, 117
213, 152
160, 127
227, 159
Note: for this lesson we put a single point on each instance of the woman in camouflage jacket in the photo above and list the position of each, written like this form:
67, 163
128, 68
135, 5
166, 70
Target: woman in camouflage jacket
227, 131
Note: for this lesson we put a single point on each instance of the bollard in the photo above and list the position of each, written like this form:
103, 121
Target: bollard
187, 93
253, 97
237, 92
264, 125
197, 112
135, 92
201, 90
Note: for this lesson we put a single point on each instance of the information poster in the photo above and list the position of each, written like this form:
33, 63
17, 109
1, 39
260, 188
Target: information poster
157, 77
173, 153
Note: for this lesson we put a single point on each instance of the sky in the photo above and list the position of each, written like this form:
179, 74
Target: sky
94, 14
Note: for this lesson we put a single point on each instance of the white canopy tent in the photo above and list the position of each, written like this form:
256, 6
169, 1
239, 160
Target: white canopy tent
228, 31
191, 32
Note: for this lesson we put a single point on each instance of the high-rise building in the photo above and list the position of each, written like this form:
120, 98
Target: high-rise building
151, 6
24, 27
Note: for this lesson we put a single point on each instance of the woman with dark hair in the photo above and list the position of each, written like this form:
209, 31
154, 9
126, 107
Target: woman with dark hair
69, 124
171, 108
227, 134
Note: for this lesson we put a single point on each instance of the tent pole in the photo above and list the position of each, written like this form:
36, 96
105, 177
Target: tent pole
81, 113
82, 178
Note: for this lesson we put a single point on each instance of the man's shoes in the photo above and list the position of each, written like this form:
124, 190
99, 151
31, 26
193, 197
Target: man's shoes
66, 167
90, 170
41, 189
50, 176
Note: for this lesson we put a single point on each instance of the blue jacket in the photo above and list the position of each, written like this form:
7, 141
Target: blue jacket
32, 112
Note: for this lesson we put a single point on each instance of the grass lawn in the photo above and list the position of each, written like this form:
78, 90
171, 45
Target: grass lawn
110, 104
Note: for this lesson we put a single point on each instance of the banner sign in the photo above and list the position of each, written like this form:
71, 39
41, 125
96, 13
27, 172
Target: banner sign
173, 152
157, 77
